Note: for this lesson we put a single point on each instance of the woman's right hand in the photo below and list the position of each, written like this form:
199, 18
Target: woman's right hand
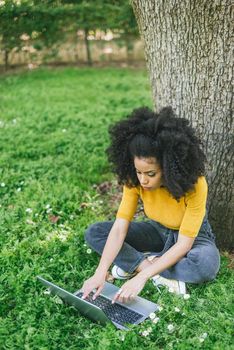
112, 247
97, 282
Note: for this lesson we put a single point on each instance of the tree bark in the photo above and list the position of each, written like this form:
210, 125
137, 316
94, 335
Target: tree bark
87, 45
188, 49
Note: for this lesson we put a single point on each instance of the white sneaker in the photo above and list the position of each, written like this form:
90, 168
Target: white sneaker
174, 286
120, 274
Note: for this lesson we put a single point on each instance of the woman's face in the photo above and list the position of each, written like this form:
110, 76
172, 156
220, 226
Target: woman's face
148, 172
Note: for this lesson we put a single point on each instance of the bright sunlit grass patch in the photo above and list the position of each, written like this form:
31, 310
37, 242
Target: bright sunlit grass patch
53, 136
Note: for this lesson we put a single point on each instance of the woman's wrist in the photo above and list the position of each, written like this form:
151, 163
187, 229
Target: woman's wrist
143, 275
101, 270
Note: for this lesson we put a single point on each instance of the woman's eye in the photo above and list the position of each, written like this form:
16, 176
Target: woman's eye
149, 174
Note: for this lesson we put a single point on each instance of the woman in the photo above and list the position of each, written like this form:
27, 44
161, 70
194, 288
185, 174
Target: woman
158, 159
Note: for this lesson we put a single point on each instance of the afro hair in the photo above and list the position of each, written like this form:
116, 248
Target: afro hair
164, 136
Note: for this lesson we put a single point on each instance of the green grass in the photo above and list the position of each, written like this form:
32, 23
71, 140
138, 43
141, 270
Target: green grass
53, 136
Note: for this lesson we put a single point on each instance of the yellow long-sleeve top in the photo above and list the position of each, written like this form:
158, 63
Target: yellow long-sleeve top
185, 215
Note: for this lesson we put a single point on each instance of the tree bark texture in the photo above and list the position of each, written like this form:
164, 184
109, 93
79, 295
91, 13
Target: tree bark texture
189, 54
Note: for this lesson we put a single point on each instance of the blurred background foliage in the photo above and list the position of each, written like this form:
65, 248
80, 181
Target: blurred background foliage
34, 32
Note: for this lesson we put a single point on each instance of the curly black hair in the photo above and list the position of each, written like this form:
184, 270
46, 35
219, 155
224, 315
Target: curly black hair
167, 138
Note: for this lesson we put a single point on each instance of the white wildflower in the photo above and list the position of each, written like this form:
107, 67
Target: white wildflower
186, 296
51, 259
171, 290
18, 189
170, 328
122, 337
156, 319
47, 206
152, 315
85, 245
145, 333
14, 121
64, 130
160, 308
63, 235
49, 210
71, 217
149, 330
2, 184
47, 291
30, 222
177, 309
28, 210
88, 251
202, 337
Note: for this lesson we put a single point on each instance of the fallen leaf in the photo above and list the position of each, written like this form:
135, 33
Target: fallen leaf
54, 219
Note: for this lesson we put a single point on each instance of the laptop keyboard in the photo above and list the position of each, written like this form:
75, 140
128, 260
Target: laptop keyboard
115, 312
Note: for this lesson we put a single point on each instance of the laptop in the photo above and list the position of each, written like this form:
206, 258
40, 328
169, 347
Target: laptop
101, 310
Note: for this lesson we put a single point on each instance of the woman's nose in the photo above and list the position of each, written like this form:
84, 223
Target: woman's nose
143, 180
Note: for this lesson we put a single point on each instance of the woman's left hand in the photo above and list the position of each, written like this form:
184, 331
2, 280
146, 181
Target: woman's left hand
130, 289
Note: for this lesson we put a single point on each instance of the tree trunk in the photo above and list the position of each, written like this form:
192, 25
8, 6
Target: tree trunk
6, 59
188, 49
87, 45
77, 51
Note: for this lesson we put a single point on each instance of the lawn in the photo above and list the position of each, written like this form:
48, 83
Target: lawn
53, 136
